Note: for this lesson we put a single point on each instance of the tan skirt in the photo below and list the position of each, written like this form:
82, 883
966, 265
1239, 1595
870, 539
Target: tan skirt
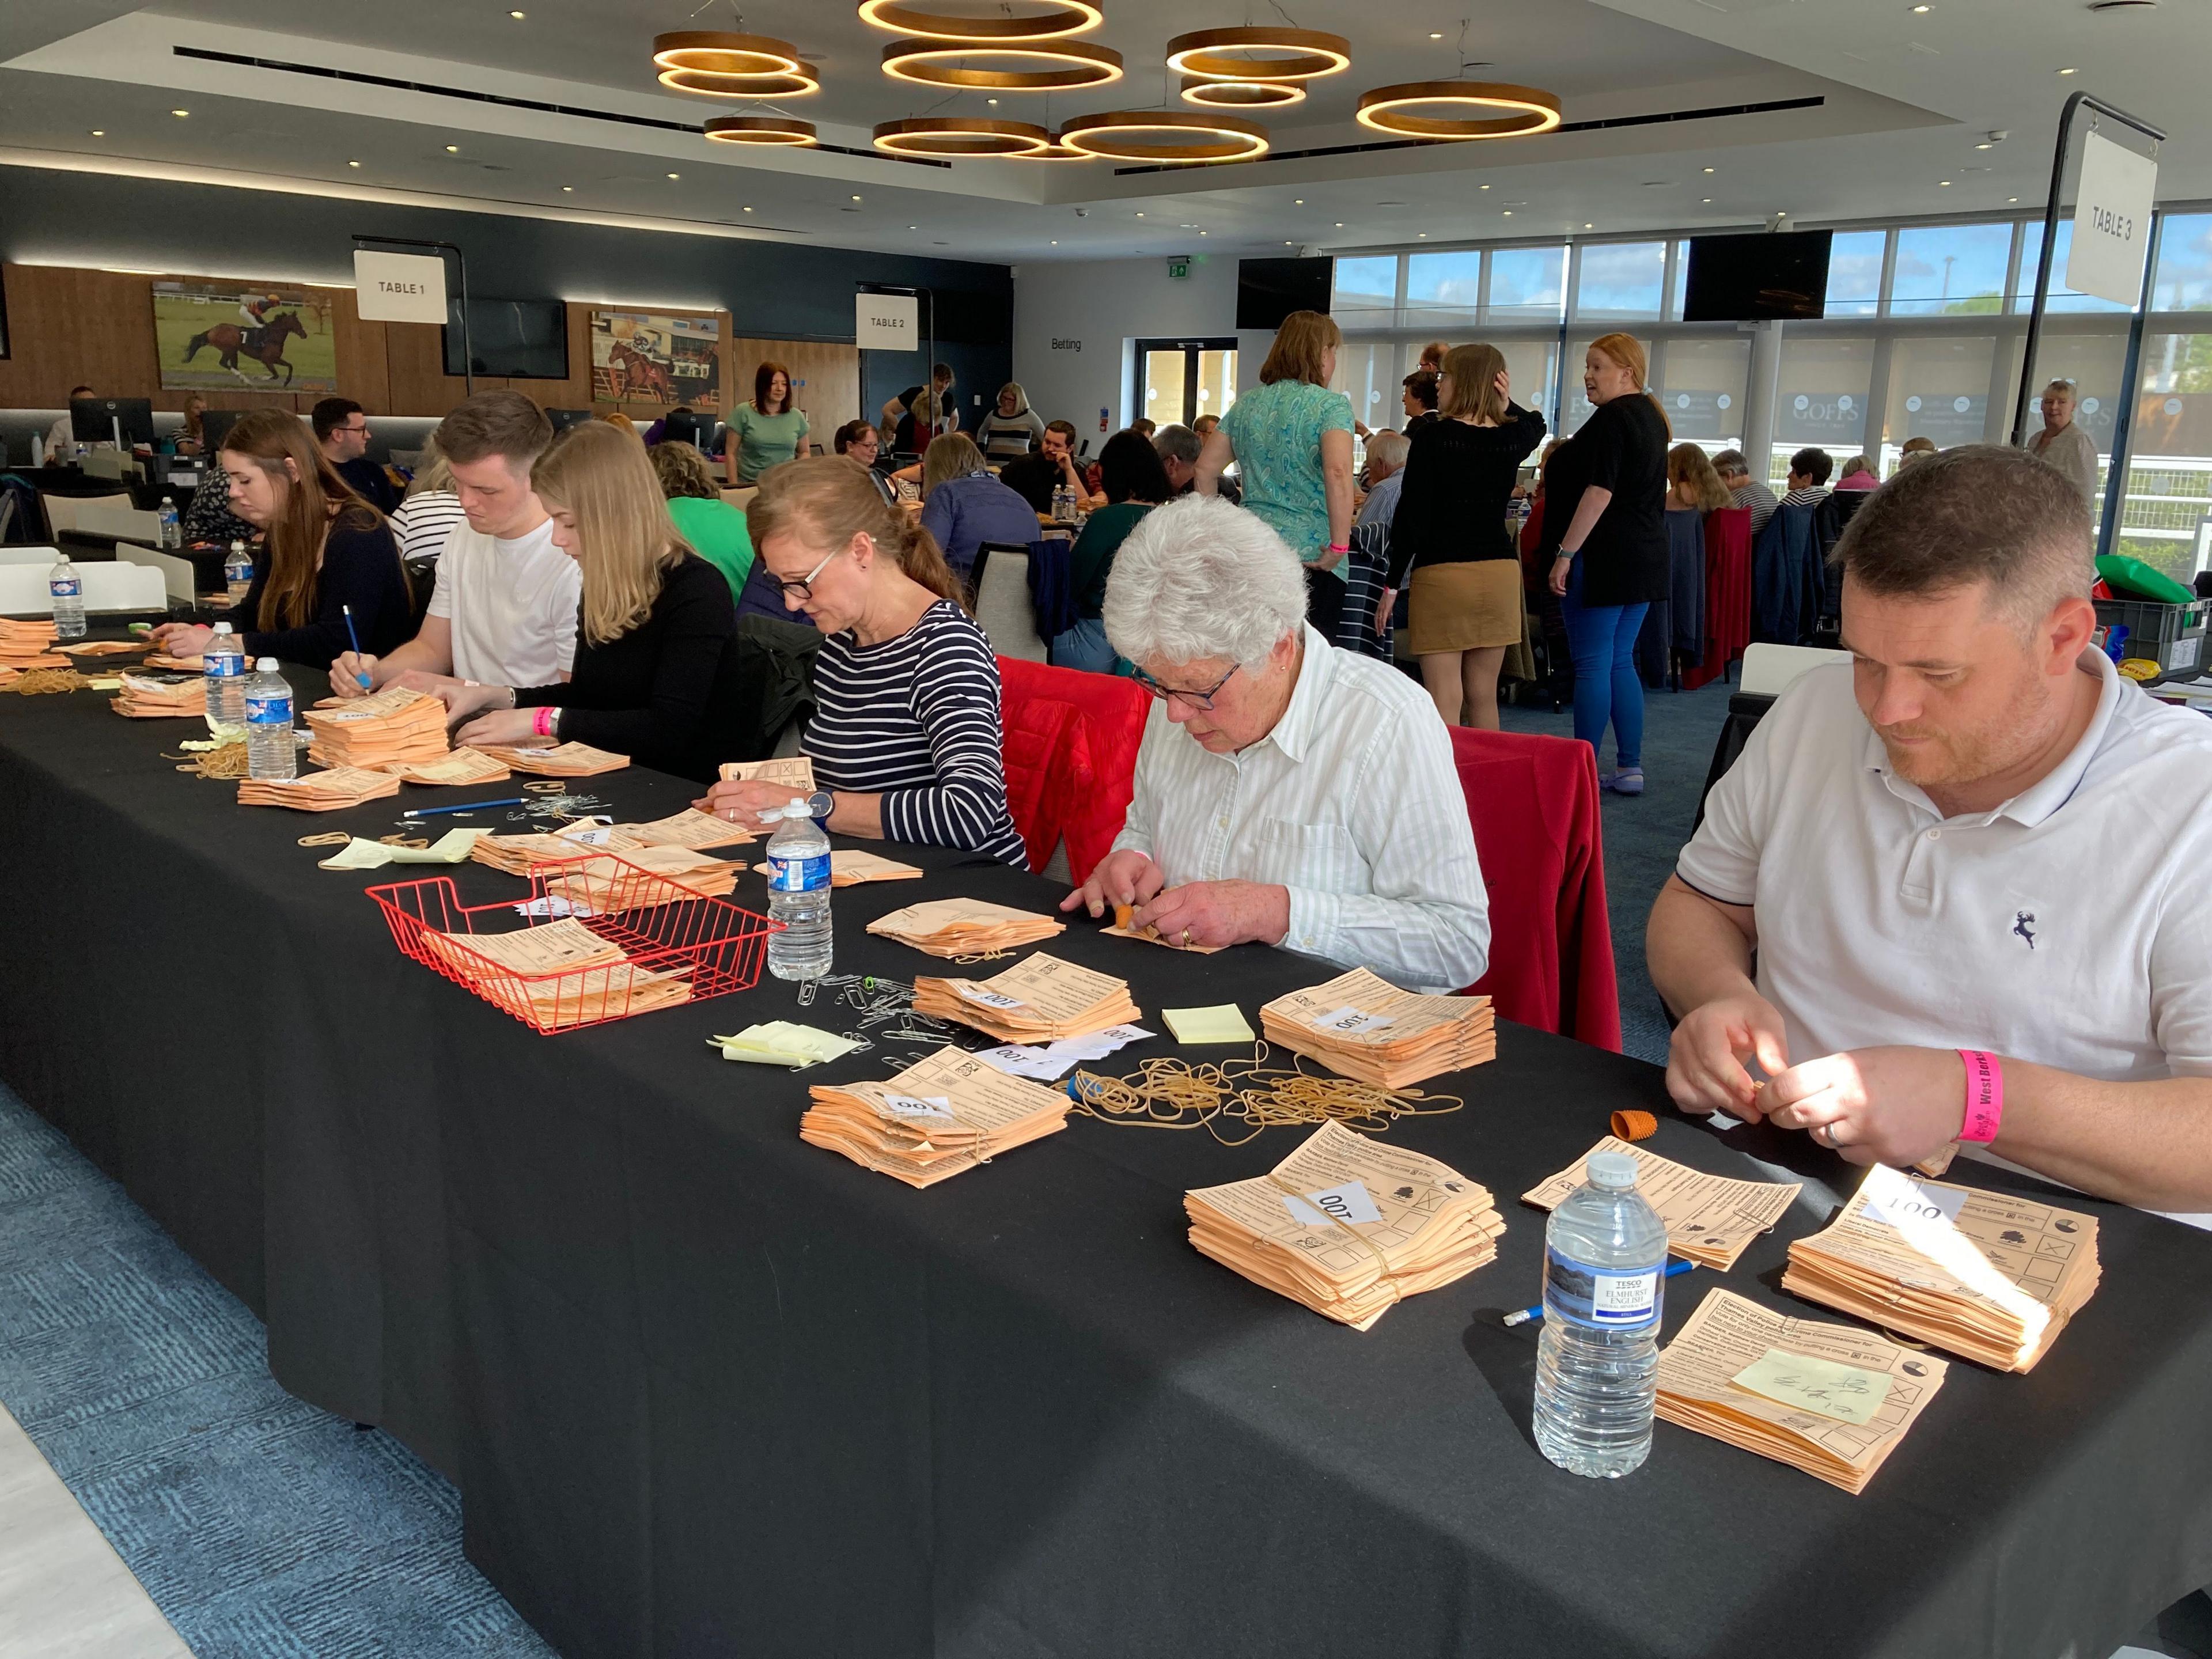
1464, 607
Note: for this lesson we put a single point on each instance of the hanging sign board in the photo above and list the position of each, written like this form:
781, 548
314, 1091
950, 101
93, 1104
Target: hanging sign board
399, 287
886, 322
2112, 221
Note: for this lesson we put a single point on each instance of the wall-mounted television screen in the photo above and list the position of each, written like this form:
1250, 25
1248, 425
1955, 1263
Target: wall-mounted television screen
523, 339
1753, 278
1268, 291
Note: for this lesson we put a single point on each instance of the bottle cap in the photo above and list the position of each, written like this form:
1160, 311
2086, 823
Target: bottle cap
1614, 1170
266, 665
223, 628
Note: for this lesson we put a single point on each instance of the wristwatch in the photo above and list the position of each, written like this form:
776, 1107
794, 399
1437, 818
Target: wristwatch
821, 804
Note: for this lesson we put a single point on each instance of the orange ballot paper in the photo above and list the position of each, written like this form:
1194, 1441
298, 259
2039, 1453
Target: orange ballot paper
1709, 1219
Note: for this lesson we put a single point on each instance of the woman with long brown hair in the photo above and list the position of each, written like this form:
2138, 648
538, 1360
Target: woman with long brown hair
905, 737
324, 550
656, 669
1449, 534
770, 429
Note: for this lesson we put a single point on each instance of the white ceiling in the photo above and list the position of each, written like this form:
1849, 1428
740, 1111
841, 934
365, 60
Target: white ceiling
1905, 97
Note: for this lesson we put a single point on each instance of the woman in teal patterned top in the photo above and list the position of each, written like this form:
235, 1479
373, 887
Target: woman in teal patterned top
770, 430
1291, 440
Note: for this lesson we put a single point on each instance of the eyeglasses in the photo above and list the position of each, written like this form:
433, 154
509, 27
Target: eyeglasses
802, 588
1200, 700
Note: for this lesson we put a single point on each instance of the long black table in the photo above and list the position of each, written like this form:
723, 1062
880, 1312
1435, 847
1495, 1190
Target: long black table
709, 1390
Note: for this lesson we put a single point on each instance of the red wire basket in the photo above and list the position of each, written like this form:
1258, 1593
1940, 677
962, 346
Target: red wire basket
657, 942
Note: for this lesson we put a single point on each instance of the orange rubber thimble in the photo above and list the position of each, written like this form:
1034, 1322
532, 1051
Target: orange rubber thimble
1634, 1126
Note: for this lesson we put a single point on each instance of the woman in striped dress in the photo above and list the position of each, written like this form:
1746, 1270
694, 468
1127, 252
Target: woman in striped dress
905, 735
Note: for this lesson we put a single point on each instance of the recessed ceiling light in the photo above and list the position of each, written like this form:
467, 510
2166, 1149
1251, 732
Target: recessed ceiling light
676, 175
1297, 201
451, 150
749, 209
180, 113
1508, 213
1944, 184
1140, 216
914, 227
1590, 226
1482, 186
1712, 169
993, 102
518, 15
1203, 232
570, 190
1340, 224
1423, 235
2068, 71
353, 164
1707, 200
1985, 144
1921, 11
99, 132
856, 198
1055, 242
2011, 198
1436, 34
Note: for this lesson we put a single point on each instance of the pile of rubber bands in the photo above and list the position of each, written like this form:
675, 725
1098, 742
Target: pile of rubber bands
1227, 1096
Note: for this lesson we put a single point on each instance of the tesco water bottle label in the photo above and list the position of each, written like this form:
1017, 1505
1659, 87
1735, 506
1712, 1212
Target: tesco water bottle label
802, 875
63, 587
224, 664
1349, 1203
1598, 1298
269, 711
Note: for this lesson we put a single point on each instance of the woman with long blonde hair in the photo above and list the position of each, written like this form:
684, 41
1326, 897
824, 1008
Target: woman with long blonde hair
905, 737
963, 506
1692, 485
656, 671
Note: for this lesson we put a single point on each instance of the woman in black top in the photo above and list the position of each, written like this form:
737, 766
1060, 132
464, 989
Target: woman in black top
1605, 520
324, 549
1449, 532
656, 671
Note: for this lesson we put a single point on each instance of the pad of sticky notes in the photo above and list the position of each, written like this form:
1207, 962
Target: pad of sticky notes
1224, 1024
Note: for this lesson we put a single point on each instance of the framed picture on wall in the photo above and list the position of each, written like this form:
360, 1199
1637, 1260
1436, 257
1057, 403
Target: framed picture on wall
655, 358
3, 312
244, 337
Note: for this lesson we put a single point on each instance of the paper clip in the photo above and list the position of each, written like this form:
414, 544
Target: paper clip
806, 993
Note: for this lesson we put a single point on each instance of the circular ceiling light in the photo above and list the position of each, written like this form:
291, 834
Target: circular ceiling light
1393, 110
721, 65
1161, 135
1056, 21
958, 136
1046, 66
1058, 151
1291, 54
1241, 95
760, 130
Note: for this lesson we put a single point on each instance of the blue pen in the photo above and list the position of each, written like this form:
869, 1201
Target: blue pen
466, 806
1674, 1270
355, 638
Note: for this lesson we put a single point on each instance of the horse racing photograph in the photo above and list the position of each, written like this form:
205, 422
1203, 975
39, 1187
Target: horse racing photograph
647, 357
235, 336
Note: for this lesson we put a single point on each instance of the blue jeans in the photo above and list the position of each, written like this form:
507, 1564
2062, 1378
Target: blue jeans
1085, 646
1602, 640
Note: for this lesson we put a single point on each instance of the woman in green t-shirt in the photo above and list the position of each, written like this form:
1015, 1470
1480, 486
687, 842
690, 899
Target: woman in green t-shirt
716, 530
770, 429
1135, 482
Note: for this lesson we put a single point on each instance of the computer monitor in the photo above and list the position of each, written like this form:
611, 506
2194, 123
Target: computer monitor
697, 430
93, 420
562, 419
215, 427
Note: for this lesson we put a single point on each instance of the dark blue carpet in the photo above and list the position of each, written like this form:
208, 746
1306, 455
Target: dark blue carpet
263, 1528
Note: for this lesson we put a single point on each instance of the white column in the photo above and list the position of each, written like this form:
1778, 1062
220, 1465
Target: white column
1760, 391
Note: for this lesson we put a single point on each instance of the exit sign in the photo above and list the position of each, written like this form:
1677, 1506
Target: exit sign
1178, 268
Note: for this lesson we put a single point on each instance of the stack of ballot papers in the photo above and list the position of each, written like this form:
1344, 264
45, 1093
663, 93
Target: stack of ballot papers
555, 974
640, 878
850, 866
567, 759
942, 1114
1983, 1274
25, 645
689, 828
460, 766
187, 664
795, 772
363, 853
958, 927
396, 724
100, 647
1710, 1219
158, 696
525, 854
1042, 1000
318, 791
1348, 1225
1831, 1400
1363, 1027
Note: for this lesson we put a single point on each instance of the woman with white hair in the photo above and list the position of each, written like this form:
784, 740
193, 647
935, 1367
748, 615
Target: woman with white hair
1285, 793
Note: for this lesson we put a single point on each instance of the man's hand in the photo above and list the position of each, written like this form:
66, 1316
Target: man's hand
1218, 913
1891, 1106
1705, 1060
1126, 876
181, 639
348, 670
743, 801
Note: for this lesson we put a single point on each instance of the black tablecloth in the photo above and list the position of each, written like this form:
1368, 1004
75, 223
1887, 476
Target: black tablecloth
708, 1389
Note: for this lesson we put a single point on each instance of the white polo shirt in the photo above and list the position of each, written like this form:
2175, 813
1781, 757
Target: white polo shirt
2071, 928
511, 605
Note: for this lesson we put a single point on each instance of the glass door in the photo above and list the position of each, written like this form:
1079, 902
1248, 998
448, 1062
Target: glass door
1179, 380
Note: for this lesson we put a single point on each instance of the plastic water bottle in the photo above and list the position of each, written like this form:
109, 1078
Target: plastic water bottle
238, 573
799, 896
66, 589
1597, 1363
224, 664
172, 530
270, 751
1063, 504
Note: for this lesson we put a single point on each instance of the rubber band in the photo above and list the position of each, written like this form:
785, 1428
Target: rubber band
1171, 1093
328, 838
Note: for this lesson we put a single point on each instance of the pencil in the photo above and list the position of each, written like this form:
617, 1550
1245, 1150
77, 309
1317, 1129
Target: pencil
465, 806
355, 638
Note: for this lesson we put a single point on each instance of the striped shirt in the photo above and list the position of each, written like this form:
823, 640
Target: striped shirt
1351, 803
915, 720
423, 522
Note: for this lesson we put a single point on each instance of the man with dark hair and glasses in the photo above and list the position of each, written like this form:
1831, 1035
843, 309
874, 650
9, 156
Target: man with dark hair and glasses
1286, 793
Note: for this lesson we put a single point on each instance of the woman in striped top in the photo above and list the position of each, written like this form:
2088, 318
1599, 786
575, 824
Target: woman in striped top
905, 734
430, 510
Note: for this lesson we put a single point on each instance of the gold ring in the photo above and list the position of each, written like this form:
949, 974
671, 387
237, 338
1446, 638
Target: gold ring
1186, 939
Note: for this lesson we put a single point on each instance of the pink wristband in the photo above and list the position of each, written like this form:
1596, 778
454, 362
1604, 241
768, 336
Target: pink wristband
1984, 1096
543, 724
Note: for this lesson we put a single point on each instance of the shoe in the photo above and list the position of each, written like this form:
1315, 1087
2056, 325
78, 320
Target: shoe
1604, 782
1629, 781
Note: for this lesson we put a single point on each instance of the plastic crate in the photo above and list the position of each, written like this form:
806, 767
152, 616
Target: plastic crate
2171, 635
662, 928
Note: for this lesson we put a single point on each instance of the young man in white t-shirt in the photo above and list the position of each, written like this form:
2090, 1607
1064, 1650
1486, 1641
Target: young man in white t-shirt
1971, 864
504, 611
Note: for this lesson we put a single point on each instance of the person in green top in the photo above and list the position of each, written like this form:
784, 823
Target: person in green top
1134, 483
716, 530
770, 429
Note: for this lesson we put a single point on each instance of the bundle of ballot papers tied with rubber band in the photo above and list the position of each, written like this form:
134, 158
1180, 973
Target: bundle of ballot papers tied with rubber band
525, 854
460, 766
566, 760
396, 724
1983, 1274
957, 927
1833, 1400
318, 791
941, 1116
851, 866
1348, 1225
1041, 1000
1710, 1219
640, 878
1365, 1028
148, 696
26, 645
182, 665
689, 828
555, 974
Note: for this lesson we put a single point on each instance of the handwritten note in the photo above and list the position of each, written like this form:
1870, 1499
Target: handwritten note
1821, 1386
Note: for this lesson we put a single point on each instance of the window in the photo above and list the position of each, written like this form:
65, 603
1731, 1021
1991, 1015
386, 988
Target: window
1368, 376
1179, 380
1821, 397
2184, 265
1447, 283
1364, 294
1700, 383
1950, 270
2062, 298
1938, 388
2169, 496
2092, 361
1623, 280
1855, 272
1528, 284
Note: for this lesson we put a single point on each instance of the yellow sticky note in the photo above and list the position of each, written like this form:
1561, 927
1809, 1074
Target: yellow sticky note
780, 1043
1223, 1024
1823, 1386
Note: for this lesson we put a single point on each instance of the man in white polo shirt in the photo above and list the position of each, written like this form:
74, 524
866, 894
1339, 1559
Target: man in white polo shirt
504, 611
1975, 853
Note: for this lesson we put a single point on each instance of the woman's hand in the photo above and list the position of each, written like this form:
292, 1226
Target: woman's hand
1503, 382
181, 639
1382, 608
1562, 567
1329, 559
744, 800
463, 701
501, 726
